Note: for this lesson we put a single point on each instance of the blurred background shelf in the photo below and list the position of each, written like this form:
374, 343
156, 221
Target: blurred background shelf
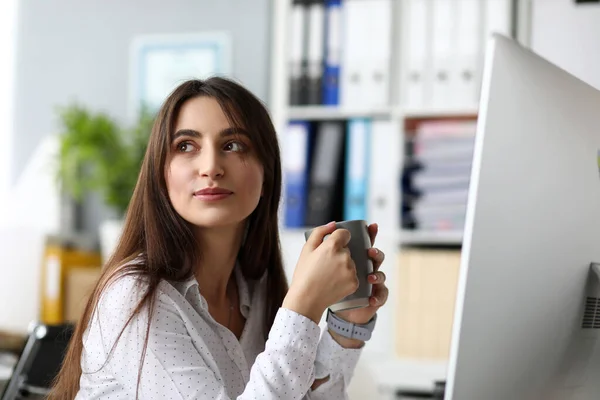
416, 113
324, 112
416, 238
319, 112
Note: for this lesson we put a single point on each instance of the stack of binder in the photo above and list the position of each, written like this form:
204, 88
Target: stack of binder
444, 47
339, 52
437, 175
340, 169
313, 166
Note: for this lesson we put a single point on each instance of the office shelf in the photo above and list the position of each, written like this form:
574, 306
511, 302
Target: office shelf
336, 112
414, 113
415, 238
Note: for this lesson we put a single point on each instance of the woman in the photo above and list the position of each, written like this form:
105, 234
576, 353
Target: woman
194, 303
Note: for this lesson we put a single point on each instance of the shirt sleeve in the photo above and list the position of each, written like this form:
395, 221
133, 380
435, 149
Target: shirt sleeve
175, 368
336, 362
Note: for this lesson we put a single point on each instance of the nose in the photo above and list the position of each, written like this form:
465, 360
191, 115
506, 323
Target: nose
211, 163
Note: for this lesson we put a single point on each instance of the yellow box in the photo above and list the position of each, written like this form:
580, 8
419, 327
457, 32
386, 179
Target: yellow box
59, 259
79, 283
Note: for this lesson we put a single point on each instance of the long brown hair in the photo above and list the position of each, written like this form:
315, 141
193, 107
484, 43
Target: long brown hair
165, 240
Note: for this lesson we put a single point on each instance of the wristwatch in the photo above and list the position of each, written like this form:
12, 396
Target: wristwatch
348, 329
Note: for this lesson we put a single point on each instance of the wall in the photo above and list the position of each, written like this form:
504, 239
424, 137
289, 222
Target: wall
70, 50
8, 13
568, 35
79, 50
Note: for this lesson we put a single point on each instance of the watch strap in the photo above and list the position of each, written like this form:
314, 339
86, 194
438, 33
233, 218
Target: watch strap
348, 329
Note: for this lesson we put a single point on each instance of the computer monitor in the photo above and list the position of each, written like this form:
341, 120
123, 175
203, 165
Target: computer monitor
527, 315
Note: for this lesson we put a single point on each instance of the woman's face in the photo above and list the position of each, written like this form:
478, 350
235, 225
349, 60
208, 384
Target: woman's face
213, 176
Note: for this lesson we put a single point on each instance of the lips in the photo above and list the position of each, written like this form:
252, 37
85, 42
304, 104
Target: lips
213, 194
212, 191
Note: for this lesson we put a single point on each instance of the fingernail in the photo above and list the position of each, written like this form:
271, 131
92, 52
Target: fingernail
375, 250
374, 277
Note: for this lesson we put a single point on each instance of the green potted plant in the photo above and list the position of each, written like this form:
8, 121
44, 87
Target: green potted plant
97, 155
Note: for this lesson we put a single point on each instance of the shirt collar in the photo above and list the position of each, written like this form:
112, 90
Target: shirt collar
189, 289
244, 292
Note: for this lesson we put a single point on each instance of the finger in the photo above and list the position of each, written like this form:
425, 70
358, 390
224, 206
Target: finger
345, 254
377, 256
380, 296
341, 237
377, 277
318, 234
373, 229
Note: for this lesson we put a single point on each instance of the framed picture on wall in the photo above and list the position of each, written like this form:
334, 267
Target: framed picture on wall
161, 62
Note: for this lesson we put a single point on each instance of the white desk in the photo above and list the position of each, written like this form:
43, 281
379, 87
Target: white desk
7, 363
393, 374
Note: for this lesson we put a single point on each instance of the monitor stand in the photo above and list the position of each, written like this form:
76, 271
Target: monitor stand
578, 359
439, 390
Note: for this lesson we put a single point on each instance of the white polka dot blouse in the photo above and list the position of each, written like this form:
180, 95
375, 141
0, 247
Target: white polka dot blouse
191, 356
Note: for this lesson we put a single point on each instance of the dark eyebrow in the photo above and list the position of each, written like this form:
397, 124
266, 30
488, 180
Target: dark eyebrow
195, 134
186, 132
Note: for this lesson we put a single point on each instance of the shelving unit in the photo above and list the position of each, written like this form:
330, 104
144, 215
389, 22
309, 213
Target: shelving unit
439, 112
396, 111
333, 112
392, 239
417, 238
318, 113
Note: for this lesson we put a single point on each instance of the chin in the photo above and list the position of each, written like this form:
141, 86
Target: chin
210, 219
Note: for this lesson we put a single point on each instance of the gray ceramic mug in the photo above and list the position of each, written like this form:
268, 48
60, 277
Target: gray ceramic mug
359, 244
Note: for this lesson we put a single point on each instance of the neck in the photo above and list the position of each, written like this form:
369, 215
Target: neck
219, 248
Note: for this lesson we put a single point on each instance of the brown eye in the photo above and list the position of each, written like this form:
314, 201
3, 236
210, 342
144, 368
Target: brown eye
184, 147
234, 146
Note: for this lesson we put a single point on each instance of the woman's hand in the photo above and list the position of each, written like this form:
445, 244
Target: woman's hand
379, 294
324, 275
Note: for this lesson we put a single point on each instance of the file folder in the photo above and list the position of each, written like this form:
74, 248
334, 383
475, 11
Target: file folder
384, 175
316, 50
357, 164
443, 54
355, 54
333, 52
296, 163
298, 52
417, 71
469, 52
326, 174
379, 50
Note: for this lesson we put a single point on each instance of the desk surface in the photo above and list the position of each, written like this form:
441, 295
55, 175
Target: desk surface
406, 374
7, 363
